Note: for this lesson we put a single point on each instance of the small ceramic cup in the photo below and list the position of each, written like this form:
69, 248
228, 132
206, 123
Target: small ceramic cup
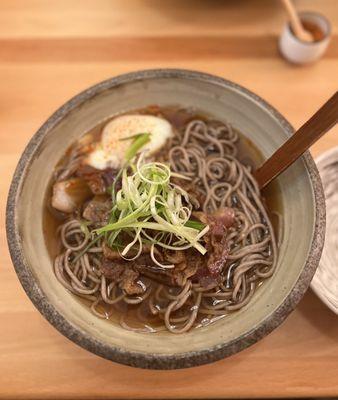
299, 52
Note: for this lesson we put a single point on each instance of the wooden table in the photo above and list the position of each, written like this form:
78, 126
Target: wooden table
51, 50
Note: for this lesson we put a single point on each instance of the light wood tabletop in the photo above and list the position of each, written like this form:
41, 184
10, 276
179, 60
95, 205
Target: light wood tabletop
50, 51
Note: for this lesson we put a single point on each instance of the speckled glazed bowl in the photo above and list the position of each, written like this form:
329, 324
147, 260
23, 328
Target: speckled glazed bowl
301, 198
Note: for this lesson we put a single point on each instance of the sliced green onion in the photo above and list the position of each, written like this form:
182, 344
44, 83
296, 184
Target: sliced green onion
195, 224
150, 209
180, 176
136, 136
84, 228
139, 141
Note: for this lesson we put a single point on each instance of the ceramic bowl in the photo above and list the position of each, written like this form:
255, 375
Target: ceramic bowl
301, 199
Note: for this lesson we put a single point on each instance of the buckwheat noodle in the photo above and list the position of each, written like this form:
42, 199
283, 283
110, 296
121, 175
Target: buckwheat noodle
205, 152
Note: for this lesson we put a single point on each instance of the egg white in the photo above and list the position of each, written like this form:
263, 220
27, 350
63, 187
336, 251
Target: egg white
110, 152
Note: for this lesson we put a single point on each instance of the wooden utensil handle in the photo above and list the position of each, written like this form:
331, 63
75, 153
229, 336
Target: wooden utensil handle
309, 133
294, 18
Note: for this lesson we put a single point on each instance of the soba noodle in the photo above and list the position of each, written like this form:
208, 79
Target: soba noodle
204, 151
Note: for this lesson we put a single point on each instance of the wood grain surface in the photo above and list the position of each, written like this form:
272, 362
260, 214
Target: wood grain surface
49, 51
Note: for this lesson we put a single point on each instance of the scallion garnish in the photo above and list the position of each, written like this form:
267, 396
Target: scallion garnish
150, 209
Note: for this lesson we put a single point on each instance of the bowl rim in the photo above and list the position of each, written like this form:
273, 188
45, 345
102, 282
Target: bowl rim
155, 360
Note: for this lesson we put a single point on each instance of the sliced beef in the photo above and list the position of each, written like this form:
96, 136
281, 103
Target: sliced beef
144, 265
111, 270
215, 239
206, 278
221, 220
205, 270
144, 258
177, 276
171, 277
124, 275
130, 282
218, 257
98, 180
209, 273
174, 257
218, 221
97, 210
111, 254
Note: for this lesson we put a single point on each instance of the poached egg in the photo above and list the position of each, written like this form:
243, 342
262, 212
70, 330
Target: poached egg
110, 151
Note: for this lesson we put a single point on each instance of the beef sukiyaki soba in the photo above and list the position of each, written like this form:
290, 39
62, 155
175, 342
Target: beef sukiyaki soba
158, 221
